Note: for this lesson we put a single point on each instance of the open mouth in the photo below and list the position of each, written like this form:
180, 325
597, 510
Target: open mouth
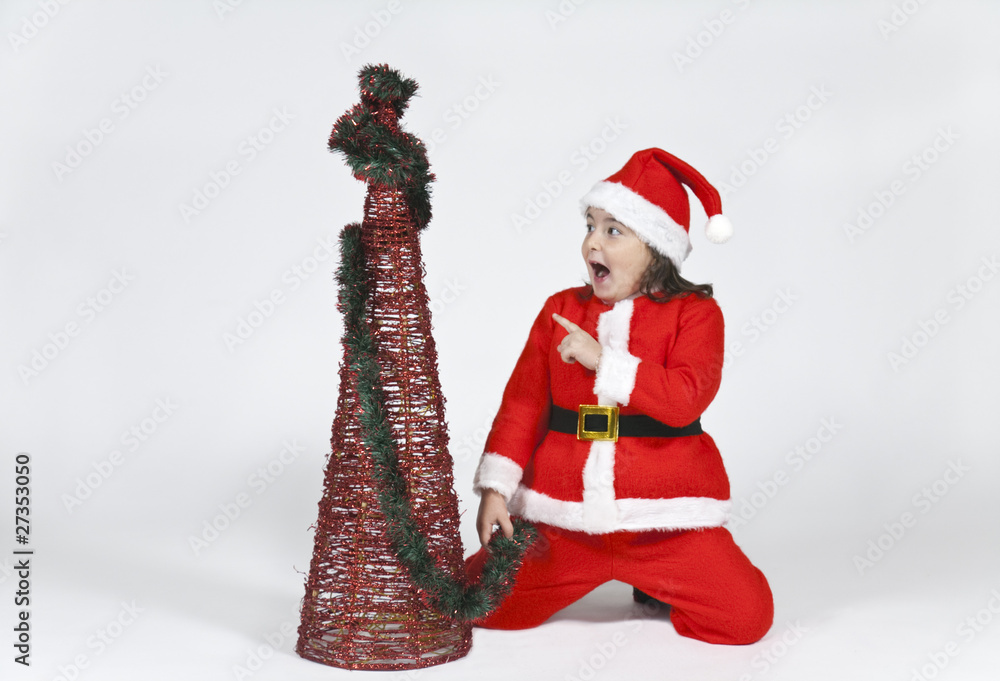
600, 271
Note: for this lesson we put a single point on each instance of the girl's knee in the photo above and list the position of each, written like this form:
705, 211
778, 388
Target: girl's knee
746, 618
755, 621
755, 613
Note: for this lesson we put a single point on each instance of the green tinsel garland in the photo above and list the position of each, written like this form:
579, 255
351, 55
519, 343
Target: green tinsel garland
375, 153
399, 160
462, 602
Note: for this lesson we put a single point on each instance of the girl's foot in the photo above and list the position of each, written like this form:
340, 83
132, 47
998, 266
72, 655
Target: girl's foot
643, 598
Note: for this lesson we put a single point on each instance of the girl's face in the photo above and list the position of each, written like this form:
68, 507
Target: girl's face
616, 258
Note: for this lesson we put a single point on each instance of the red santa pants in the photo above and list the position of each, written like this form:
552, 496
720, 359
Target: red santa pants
715, 593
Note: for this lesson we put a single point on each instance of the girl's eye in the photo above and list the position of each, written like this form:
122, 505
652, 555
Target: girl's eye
590, 228
614, 231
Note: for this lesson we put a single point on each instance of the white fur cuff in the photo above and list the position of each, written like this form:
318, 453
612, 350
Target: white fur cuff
616, 375
498, 473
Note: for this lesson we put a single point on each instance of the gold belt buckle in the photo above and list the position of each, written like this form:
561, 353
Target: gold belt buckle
610, 414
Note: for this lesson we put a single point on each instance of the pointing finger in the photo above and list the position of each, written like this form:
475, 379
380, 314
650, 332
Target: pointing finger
565, 323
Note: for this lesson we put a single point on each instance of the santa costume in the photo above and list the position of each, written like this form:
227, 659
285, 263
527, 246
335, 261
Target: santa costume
612, 465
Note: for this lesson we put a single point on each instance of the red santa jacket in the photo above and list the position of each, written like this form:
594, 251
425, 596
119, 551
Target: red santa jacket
659, 359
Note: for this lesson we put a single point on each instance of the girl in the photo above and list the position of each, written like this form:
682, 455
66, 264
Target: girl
598, 439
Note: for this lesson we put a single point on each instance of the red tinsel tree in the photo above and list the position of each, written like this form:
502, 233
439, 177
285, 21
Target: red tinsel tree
386, 586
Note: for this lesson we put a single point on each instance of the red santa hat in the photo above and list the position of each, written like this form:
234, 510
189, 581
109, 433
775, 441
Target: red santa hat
648, 197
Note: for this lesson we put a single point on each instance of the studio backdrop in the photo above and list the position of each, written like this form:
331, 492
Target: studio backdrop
169, 216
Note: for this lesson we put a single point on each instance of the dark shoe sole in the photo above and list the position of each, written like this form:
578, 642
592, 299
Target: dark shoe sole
643, 598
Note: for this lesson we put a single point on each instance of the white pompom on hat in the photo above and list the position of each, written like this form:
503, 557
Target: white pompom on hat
647, 196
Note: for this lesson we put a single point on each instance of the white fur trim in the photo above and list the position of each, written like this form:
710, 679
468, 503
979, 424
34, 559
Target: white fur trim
613, 384
718, 229
600, 514
613, 325
617, 369
681, 513
653, 224
616, 375
499, 473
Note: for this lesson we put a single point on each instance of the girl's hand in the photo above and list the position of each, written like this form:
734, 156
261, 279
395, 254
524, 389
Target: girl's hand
578, 345
493, 511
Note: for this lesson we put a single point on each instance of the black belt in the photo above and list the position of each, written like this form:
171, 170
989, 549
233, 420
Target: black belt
629, 425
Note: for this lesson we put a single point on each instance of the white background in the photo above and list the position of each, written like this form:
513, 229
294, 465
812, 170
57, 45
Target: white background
556, 83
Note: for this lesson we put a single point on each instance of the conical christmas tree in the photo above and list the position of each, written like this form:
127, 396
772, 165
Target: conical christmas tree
386, 586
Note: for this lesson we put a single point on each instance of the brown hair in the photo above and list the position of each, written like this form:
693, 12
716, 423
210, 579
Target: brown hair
662, 281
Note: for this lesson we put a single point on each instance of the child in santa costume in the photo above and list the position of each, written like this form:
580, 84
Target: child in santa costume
598, 440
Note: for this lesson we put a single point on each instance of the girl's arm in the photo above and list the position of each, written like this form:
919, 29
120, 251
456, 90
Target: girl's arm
523, 418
